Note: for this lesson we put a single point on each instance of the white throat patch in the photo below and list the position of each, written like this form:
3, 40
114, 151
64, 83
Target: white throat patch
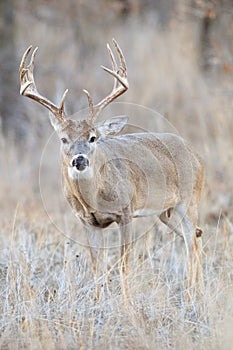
75, 174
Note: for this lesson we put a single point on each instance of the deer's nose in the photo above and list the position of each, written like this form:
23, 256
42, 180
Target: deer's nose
77, 160
80, 162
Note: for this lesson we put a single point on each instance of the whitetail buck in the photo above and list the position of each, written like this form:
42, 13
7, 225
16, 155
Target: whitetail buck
110, 178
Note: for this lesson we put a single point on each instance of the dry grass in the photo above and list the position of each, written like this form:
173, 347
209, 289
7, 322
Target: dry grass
46, 285
48, 292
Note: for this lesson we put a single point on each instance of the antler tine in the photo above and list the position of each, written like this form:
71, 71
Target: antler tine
24, 58
91, 105
112, 57
120, 79
62, 104
31, 65
114, 64
23, 71
121, 56
28, 86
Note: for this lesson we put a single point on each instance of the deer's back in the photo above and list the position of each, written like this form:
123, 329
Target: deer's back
159, 168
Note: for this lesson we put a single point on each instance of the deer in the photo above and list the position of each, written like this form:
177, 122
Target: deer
114, 177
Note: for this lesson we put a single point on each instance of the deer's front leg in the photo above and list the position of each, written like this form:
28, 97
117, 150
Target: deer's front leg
126, 237
94, 242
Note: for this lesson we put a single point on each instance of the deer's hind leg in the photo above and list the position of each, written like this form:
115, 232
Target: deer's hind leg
179, 221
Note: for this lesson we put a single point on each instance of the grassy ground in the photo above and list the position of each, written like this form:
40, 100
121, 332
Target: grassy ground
46, 284
48, 292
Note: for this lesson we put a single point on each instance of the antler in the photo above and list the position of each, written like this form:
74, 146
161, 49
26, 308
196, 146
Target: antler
120, 83
28, 87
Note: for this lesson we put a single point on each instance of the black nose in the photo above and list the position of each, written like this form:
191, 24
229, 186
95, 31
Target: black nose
80, 162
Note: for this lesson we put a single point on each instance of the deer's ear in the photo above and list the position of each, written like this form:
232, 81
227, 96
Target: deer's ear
54, 121
113, 125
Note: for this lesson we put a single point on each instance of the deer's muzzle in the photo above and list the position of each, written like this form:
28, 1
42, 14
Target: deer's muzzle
80, 162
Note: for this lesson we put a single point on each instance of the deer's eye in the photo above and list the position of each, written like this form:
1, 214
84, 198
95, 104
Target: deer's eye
92, 139
64, 140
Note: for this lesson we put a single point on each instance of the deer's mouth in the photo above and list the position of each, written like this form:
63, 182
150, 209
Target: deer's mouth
80, 162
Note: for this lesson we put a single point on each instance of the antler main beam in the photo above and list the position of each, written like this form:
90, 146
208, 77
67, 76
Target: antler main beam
28, 86
120, 82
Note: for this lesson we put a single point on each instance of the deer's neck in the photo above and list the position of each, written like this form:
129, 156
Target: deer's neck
83, 186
